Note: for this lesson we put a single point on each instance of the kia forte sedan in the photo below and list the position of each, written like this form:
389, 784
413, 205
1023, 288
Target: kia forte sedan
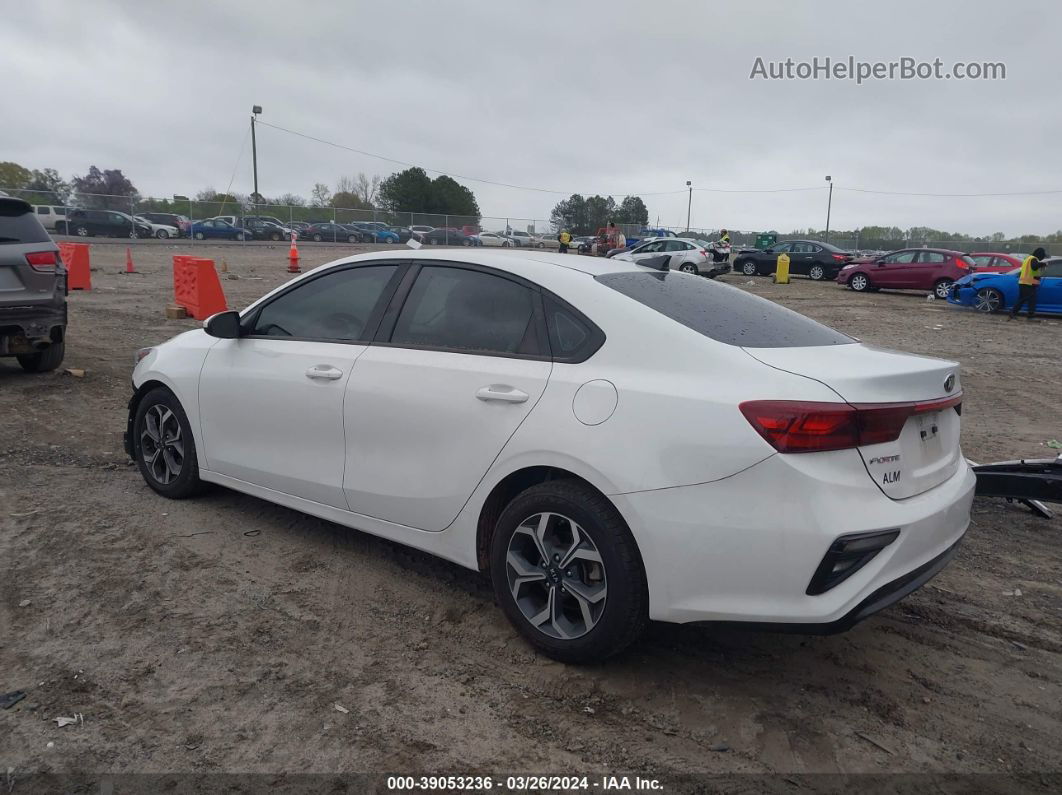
610, 442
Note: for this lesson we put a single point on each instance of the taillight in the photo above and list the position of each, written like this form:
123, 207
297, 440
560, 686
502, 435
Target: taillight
793, 426
42, 260
704, 252
839, 257
962, 265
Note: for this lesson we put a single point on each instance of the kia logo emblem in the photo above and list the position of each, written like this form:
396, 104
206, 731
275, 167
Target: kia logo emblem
949, 383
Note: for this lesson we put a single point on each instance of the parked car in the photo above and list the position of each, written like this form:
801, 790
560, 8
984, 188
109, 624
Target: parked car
998, 292
298, 226
991, 262
445, 236
546, 240
250, 221
265, 230
167, 219
932, 269
494, 240
524, 239
584, 244
49, 215
570, 435
419, 231
809, 258
333, 233
32, 290
376, 232
403, 232
107, 223
216, 229
690, 256
161, 231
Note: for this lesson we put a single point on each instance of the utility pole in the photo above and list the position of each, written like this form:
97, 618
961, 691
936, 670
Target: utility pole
689, 205
829, 205
255, 110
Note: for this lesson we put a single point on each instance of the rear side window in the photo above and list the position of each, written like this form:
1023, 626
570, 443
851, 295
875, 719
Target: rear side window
572, 338
721, 312
466, 310
18, 224
334, 307
934, 257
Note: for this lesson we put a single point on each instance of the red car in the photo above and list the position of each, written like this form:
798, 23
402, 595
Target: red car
931, 269
991, 262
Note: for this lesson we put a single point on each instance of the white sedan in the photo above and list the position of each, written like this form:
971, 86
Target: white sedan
685, 254
494, 239
609, 442
161, 231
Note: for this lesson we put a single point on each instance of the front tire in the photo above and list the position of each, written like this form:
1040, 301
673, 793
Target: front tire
199, 236
942, 288
43, 361
989, 300
352, 238
162, 234
163, 446
748, 268
567, 572
859, 282
81, 231
316, 238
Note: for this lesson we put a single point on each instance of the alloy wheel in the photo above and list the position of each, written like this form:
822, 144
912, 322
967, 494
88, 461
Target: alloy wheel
988, 300
82, 231
859, 282
688, 267
942, 288
749, 269
556, 576
161, 444
816, 272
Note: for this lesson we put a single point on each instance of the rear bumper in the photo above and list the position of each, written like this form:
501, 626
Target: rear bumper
744, 549
46, 322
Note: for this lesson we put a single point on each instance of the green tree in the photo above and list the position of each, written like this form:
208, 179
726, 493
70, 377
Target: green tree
452, 198
108, 189
599, 211
571, 214
406, 191
632, 210
348, 200
13, 176
49, 187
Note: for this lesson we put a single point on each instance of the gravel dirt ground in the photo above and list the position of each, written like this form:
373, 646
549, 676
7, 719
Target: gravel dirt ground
218, 634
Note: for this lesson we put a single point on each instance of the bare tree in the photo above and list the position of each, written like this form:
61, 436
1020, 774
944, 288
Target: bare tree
321, 196
367, 189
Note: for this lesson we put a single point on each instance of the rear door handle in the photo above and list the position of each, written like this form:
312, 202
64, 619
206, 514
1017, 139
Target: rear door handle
502, 392
324, 372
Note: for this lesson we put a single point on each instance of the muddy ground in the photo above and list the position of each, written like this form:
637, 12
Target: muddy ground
216, 635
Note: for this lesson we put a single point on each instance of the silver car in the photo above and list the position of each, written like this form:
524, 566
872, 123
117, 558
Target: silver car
687, 254
32, 290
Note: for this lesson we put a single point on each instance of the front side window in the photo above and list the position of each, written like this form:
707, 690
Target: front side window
336, 306
466, 310
902, 258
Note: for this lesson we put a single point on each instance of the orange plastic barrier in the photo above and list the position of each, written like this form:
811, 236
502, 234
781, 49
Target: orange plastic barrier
196, 286
75, 257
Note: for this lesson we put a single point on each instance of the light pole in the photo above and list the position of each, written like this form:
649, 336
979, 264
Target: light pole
689, 204
255, 110
829, 204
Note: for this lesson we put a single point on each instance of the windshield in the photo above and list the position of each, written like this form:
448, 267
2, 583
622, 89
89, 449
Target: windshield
721, 312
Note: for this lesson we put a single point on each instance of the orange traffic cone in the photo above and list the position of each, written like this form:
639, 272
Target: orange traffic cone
129, 267
293, 257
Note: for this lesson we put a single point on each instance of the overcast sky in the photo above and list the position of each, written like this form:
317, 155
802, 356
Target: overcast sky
594, 97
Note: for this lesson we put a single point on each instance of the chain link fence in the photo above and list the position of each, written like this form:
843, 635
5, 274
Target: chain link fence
361, 223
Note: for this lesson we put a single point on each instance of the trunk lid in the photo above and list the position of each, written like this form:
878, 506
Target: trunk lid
927, 451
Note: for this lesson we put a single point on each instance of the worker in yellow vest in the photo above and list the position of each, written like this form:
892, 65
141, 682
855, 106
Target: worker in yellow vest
1029, 283
565, 239
724, 236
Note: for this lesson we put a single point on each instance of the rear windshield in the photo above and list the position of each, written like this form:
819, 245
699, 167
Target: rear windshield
18, 224
721, 312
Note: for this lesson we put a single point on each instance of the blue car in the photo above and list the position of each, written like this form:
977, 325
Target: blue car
998, 292
377, 232
215, 228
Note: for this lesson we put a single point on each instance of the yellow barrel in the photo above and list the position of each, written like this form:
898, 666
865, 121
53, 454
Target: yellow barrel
781, 275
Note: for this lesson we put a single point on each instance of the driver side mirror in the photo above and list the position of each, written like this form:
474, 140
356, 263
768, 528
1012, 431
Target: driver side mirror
223, 325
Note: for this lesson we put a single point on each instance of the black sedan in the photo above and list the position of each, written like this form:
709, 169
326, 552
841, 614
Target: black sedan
264, 230
332, 233
446, 236
806, 258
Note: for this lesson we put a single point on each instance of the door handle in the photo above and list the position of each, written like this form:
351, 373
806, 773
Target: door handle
502, 392
324, 372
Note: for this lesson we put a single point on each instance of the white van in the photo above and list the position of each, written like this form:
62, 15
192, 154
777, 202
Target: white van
48, 215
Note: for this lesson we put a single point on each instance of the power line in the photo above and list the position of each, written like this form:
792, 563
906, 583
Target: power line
643, 193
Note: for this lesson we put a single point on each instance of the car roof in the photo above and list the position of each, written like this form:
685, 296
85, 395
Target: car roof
511, 262
994, 254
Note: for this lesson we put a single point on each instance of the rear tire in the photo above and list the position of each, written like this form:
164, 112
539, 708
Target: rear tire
942, 288
688, 267
162, 234
604, 576
45, 361
163, 443
817, 273
199, 236
81, 231
352, 238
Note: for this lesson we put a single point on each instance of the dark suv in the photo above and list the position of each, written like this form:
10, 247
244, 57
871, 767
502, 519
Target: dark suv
32, 290
108, 223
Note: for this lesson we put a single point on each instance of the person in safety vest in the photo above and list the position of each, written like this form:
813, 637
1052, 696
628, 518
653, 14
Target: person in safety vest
724, 236
1029, 283
565, 239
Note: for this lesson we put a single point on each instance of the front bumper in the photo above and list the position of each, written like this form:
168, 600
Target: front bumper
744, 549
962, 296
